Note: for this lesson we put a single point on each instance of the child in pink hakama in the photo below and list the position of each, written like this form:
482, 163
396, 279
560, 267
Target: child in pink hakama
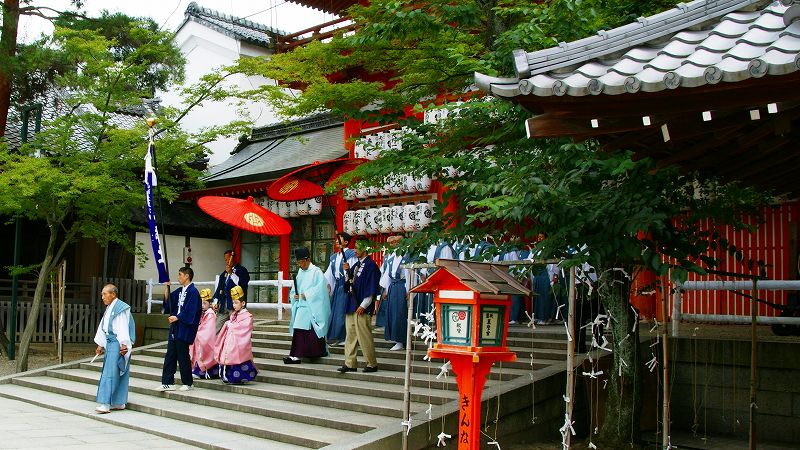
204, 365
234, 347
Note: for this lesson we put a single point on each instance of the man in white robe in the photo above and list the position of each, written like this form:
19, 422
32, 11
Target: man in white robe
115, 336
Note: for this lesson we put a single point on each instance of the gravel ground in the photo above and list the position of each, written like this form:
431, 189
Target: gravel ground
43, 355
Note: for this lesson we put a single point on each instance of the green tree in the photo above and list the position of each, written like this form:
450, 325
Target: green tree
82, 174
602, 208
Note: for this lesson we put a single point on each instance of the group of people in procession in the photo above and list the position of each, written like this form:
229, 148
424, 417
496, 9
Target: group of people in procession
210, 333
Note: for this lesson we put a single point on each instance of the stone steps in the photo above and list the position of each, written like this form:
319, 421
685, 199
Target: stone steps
287, 406
187, 432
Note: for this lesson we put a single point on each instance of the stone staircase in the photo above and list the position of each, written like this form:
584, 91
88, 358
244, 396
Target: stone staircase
287, 406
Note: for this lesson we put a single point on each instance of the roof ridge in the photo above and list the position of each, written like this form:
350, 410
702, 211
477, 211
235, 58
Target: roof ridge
202, 12
298, 126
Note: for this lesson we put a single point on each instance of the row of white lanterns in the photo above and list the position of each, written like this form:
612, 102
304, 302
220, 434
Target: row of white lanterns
404, 185
388, 219
310, 207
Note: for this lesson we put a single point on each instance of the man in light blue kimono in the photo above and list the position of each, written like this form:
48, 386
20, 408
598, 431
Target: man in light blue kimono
115, 337
311, 311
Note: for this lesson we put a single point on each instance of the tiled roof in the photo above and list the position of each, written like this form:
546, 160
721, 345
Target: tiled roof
54, 104
276, 149
235, 27
179, 217
698, 43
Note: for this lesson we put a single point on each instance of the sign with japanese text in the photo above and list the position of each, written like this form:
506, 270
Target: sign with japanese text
456, 321
491, 333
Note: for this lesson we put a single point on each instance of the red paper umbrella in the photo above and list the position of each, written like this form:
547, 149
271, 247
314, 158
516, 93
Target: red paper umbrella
306, 182
244, 215
287, 189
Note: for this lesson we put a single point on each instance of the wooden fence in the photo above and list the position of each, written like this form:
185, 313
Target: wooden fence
82, 309
80, 321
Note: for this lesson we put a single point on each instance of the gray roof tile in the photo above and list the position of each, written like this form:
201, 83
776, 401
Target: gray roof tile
235, 27
697, 43
276, 149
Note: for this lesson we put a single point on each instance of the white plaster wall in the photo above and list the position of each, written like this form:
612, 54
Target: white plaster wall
207, 259
206, 50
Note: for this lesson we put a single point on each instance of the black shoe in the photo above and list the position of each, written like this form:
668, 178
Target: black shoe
369, 369
344, 369
289, 360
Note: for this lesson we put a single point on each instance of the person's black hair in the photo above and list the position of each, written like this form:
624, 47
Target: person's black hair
187, 271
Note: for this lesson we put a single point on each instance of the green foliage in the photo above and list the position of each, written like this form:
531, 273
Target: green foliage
82, 173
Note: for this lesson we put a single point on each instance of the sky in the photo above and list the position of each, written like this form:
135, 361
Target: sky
280, 14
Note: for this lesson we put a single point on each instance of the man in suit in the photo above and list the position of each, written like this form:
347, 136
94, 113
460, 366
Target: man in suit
233, 275
184, 309
365, 277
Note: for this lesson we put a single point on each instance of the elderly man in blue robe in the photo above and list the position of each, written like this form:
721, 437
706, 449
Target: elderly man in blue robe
115, 337
311, 311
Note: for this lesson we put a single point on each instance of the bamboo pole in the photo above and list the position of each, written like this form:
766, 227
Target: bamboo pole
665, 438
62, 283
570, 356
753, 363
407, 376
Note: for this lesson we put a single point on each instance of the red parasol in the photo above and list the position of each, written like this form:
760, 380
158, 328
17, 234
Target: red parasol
287, 189
244, 215
306, 182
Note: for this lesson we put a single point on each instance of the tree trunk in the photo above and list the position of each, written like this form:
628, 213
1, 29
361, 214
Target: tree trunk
621, 423
38, 296
8, 48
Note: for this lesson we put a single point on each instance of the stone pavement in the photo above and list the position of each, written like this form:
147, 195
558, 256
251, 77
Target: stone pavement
27, 426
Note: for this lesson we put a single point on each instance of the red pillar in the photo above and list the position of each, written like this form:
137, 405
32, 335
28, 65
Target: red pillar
471, 369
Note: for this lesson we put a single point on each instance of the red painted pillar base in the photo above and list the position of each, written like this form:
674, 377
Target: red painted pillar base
471, 369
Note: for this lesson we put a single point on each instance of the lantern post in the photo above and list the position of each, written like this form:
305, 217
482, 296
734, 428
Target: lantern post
472, 301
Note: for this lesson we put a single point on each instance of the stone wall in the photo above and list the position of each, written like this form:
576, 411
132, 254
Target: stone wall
711, 388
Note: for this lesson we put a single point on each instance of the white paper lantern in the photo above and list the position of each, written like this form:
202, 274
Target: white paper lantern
397, 218
423, 183
302, 207
424, 215
272, 205
283, 209
293, 209
396, 186
314, 206
349, 222
349, 194
361, 193
410, 217
360, 223
358, 150
370, 191
371, 217
450, 172
409, 186
385, 219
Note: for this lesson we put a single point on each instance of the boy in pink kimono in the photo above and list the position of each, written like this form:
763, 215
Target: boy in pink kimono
202, 351
234, 347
